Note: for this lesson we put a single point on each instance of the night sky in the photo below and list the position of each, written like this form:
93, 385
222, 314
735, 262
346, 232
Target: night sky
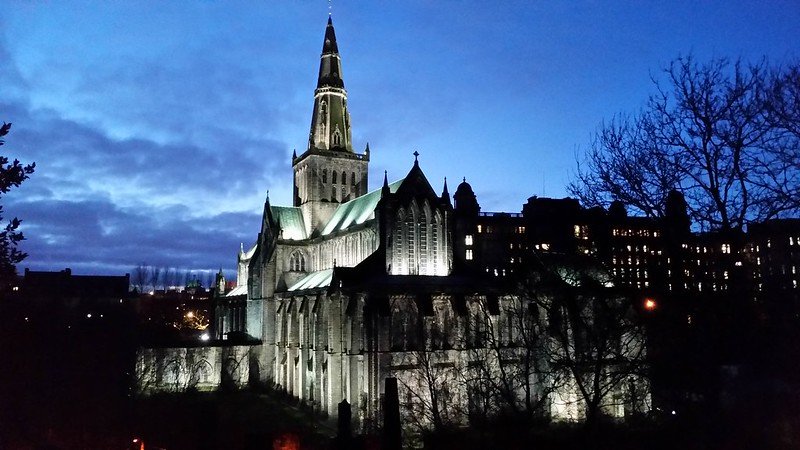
158, 127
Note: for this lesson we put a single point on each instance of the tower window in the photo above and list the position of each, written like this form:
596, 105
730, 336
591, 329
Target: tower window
337, 137
324, 175
344, 178
353, 179
333, 177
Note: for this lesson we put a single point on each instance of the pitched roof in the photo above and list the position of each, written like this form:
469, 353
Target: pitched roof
320, 278
238, 290
290, 219
356, 211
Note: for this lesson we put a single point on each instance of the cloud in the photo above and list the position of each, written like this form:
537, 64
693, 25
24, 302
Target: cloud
174, 174
99, 234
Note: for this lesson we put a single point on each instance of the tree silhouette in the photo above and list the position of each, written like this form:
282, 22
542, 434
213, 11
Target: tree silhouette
11, 175
724, 134
593, 337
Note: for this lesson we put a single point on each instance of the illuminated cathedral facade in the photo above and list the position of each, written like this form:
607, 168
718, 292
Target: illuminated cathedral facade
350, 286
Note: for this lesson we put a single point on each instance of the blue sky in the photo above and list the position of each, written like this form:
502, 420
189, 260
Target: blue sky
158, 127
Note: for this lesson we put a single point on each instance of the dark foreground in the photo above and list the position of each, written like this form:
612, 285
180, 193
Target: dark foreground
68, 388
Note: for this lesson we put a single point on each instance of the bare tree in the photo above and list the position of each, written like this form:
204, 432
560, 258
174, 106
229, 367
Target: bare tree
183, 279
140, 276
508, 366
594, 339
712, 133
171, 278
154, 277
431, 386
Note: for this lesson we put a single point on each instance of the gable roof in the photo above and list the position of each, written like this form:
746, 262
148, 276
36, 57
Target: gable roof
290, 221
356, 211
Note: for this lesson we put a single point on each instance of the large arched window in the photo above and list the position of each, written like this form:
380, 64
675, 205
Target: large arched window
419, 241
297, 262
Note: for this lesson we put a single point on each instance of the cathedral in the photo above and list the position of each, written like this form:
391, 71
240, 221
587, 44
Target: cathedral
350, 286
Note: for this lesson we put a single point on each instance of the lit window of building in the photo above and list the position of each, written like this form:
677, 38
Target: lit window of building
480, 228
469, 254
726, 248
468, 239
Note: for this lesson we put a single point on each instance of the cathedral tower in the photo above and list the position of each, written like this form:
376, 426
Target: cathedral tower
329, 172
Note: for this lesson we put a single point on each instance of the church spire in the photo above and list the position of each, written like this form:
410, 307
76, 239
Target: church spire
330, 68
445, 193
330, 122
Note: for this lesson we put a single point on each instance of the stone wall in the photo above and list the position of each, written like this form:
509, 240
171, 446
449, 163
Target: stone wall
202, 368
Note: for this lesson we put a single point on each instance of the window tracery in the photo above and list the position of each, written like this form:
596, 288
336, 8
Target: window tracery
297, 262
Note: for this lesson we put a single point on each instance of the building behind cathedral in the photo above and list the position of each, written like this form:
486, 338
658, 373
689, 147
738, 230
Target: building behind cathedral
349, 286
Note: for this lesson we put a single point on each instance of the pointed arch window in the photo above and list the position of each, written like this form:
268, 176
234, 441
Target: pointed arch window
353, 179
337, 137
399, 243
344, 178
411, 243
324, 175
424, 240
297, 262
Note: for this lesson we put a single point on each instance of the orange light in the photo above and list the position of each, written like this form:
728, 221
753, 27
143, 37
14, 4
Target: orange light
649, 304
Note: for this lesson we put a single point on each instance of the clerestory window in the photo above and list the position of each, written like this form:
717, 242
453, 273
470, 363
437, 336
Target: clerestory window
297, 262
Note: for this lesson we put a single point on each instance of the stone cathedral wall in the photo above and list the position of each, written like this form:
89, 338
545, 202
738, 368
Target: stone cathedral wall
202, 368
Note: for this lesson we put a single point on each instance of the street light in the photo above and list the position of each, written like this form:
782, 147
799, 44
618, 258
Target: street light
650, 304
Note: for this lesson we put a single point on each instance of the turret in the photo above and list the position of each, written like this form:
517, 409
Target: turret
466, 204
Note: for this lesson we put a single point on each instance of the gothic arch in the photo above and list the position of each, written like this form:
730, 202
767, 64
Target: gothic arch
337, 137
297, 261
202, 373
